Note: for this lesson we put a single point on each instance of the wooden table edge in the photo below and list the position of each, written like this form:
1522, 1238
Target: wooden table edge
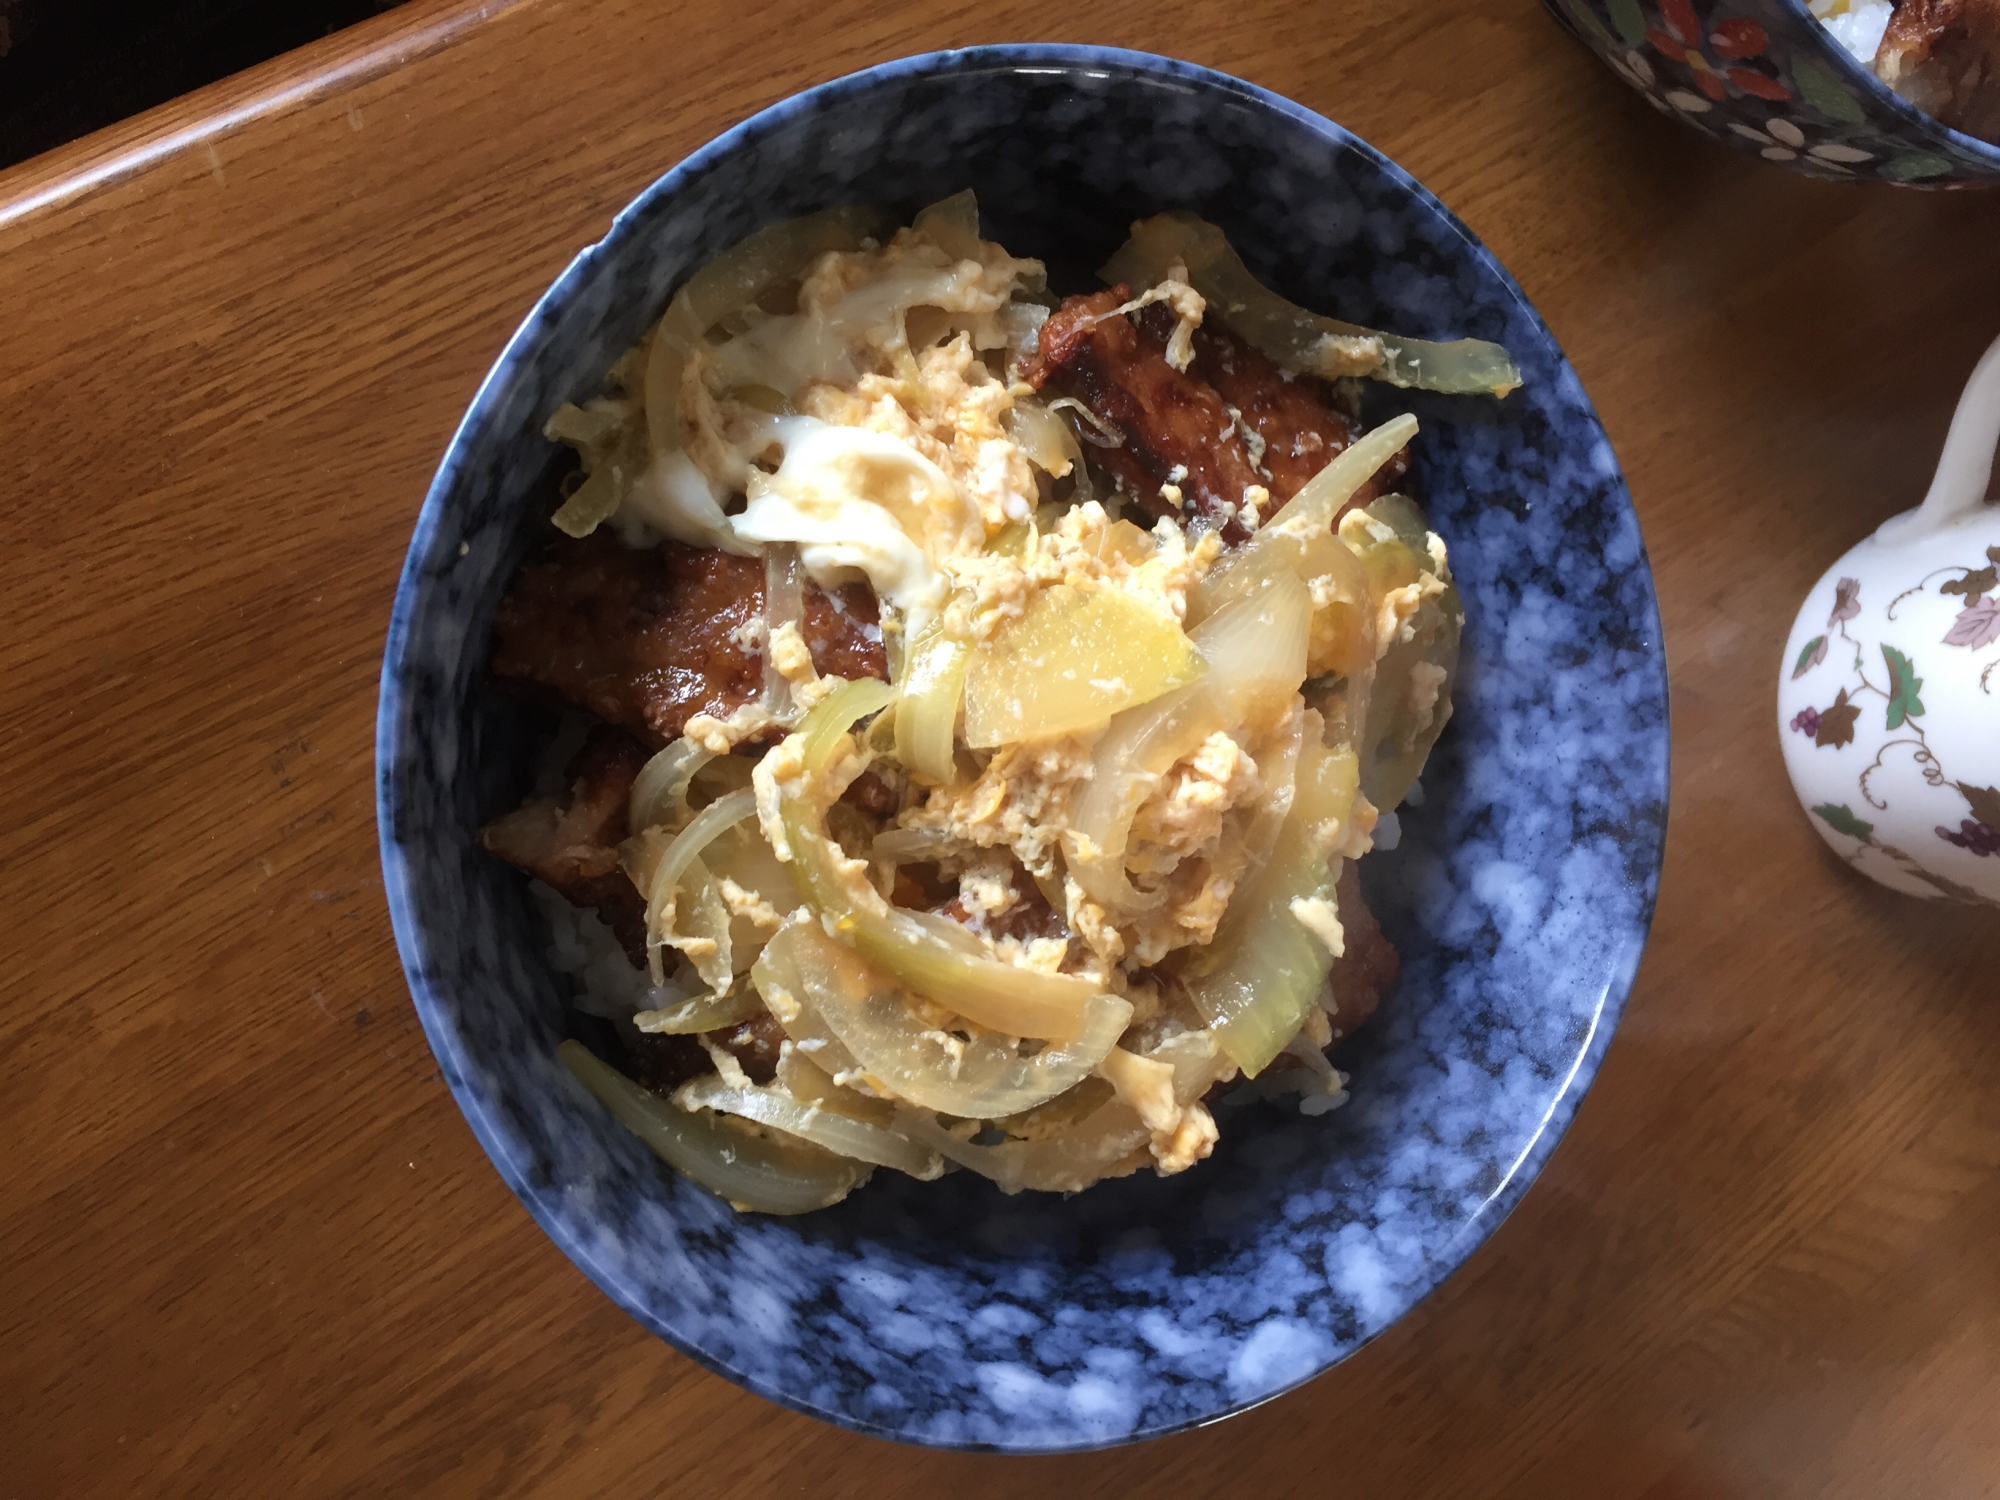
298, 78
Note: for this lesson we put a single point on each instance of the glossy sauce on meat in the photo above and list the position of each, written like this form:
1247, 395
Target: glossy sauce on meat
1944, 57
1233, 419
646, 639
1297, 430
1176, 429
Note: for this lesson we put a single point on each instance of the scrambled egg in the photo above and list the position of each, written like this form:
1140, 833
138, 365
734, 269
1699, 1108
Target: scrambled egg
1020, 801
876, 430
909, 475
1085, 547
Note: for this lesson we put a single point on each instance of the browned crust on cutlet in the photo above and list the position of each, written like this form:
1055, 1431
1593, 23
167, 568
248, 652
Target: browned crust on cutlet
1170, 421
1944, 57
1200, 420
644, 638
1302, 431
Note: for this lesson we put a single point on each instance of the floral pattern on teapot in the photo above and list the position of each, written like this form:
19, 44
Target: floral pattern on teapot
1899, 689
1889, 713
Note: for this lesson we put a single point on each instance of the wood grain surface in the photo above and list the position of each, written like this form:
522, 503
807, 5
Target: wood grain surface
248, 1245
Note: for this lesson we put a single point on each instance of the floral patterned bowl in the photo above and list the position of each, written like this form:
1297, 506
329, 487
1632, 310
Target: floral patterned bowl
1766, 76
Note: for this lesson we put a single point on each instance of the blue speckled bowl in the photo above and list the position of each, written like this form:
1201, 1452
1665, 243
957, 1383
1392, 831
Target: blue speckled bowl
946, 1313
1766, 76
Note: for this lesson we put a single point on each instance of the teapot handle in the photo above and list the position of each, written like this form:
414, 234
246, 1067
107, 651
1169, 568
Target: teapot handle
1966, 466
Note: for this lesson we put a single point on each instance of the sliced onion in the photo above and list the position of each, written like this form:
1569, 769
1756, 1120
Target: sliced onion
732, 279
836, 714
723, 813
587, 429
690, 915
1077, 655
611, 444
742, 856
1197, 1059
1139, 748
1110, 1142
1090, 427
927, 710
1016, 539
809, 1083
1257, 982
677, 885
953, 225
1021, 327
1343, 631
680, 868
912, 846
1291, 335
725, 773
1398, 734
659, 791
703, 1012
1255, 650
595, 499
820, 989
838, 1133
1045, 438
999, 995
1094, 1137
750, 1173
1319, 500
996, 994
1277, 768
1344, 619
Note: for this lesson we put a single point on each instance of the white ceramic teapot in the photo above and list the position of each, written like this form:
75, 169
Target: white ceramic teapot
1889, 695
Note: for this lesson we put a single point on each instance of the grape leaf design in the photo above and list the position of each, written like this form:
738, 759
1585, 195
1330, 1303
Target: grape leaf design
1993, 556
1836, 724
1810, 656
1984, 802
1846, 601
1977, 625
1841, 820
1972, 585
1904, 704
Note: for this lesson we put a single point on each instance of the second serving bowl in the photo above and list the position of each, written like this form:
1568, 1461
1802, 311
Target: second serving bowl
1766, 76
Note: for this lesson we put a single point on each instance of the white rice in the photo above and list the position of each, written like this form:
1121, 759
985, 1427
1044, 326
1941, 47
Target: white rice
1857, 25
607, 982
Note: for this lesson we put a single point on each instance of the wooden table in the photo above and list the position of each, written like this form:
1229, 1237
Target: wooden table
251, 1248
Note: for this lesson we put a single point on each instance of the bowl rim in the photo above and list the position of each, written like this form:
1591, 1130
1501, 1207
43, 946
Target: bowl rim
1908, 112
487, 1118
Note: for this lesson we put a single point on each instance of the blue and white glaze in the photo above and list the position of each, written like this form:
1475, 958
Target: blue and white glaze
946, 1313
